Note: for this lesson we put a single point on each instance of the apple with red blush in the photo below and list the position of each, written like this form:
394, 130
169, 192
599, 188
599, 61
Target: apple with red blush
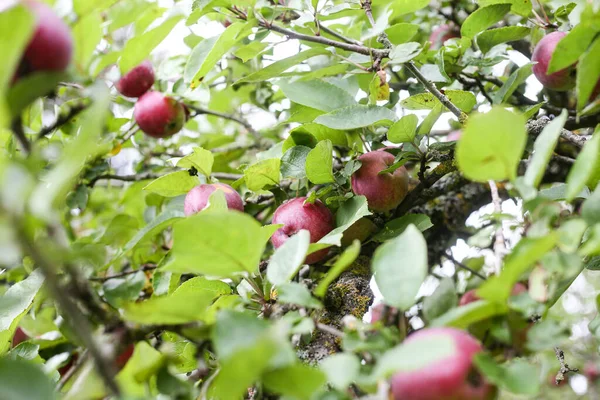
298, 214
384, 191
453, 376
197, 199
138, 81
158, 115
441, 34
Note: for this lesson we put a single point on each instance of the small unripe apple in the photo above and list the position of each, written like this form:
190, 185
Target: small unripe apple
385, 191
197, 198
297, 214
158, 115
442, 33
137, 81
542, 54
451, 378
51, 46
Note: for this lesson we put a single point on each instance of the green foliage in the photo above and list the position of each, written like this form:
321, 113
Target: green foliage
97, 257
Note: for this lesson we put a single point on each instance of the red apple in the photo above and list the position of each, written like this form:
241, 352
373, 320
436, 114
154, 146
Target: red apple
197, 198
452, 378
297, 214
19, 336
377, 312
384, 192
158, 115
591, 371
442, 33
471, 296
137, 81
124, 356
542, 54
51, 46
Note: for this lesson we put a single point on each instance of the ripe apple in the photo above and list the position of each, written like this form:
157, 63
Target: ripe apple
442, 33
51, 46
451, 378
384, 192
137, 81
297, 214
471, 295
124, 356
19, 336
377, 312
542, 54
158, 115
197, 198
591, 371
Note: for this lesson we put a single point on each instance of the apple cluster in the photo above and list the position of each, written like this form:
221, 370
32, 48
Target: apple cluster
157, 115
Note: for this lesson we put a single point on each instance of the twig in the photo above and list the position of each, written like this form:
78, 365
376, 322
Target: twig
463, 266
122, 274
244, 123
340, 36
62, 119
17, 128
143, 177
329, 329
564, 367
74, 368
500, 243
78, 322
462, 117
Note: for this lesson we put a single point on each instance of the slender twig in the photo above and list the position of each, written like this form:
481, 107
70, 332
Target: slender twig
243, 122
74, 368
462, 117
78, 322
464, 266
329, 329
122, 274
500, 243
62, 119
17, 128
564, 367
147, 176
340, 36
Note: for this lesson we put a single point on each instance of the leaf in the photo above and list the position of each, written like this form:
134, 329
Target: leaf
344, 261
378, 91
571, 47
402, 32
441, 300
414, 355
404, 130
341, 369
525, 254
207, 53
543, 149
281, 66
483, 18
464, 316
590, 211
401, 7
22, 380
584, 167
298, 381
492, 37
426, 101
202, 244
491, 145
263, 173
14, 303
293, 162
430, 120
513, 82
175, 308
517, 376
139, 48
396, 226
159, 223
87, 34
29, 88
404, 52
400, 267
250, 51
319, 163
287, 259
173, 184
318, 132
316, 94
298, 294
120, 290
521, 7
355, 117
201, 159
588, 70
16, 28
349, 212
144, 363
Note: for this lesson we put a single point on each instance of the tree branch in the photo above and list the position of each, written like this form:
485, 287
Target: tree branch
17, 128
122, 274
500, 243
564, 367
243, 122
147, 176
62, 119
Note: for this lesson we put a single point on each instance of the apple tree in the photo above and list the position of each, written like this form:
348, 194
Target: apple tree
299, 199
